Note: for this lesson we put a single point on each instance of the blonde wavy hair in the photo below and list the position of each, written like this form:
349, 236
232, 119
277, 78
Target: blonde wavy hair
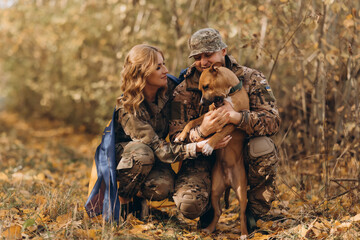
140, 62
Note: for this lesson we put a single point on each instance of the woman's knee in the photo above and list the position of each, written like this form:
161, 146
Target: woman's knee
136, 152
136, 162
159, 184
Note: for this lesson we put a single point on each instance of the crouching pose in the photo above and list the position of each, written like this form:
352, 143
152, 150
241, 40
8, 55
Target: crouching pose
141, 125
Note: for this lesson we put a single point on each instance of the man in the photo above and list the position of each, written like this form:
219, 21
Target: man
193, 185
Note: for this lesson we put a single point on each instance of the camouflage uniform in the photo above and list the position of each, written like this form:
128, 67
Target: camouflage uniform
143, 156
262, 120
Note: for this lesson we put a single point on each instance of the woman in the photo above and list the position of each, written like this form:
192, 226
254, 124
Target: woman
142, 114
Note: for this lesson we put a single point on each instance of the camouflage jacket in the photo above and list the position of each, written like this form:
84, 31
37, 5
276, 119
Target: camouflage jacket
150, 126
262, 119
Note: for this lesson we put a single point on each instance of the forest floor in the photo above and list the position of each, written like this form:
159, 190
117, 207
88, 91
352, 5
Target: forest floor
44, 181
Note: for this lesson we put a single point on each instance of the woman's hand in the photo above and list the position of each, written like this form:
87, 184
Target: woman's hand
223, 143
214, 121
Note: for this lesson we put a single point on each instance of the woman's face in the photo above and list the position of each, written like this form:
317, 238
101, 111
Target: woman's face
158, 77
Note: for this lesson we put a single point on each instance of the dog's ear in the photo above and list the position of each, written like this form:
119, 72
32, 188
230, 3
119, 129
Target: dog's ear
215, 67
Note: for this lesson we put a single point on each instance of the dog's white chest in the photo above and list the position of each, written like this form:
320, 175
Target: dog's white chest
228, 99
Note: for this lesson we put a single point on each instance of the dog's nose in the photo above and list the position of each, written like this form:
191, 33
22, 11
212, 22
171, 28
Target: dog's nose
205, 102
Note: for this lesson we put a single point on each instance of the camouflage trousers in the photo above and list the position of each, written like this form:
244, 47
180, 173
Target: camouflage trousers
138, 170
193, 186
193, 182
261, 160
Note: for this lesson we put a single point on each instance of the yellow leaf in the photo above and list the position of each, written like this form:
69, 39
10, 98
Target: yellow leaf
344, 226
13, 232
3, 177
40, 177
348, 23
259, 236
64, 219
355, 218
349, 16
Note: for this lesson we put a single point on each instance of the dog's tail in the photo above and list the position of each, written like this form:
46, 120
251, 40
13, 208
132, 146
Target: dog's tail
226, 197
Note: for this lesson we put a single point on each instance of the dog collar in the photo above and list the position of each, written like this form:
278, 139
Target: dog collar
236, 88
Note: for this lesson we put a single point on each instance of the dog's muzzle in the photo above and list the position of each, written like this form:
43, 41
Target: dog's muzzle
218, 101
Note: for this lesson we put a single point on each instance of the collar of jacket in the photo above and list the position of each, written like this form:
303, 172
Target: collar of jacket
192, 77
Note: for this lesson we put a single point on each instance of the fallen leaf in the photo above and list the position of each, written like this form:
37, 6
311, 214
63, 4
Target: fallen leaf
3, 177
13, 232
355, 218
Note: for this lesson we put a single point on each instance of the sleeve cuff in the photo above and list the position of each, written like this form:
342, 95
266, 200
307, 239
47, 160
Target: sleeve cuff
191, 150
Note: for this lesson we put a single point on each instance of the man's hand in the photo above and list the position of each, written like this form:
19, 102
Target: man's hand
214, 121
234, 117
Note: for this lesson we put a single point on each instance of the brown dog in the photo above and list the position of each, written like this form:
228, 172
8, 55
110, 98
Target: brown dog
220, 84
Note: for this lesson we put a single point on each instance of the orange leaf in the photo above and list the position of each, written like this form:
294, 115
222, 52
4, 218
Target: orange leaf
13, 232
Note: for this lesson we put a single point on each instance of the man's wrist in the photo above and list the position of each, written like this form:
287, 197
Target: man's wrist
199, 132
243, 118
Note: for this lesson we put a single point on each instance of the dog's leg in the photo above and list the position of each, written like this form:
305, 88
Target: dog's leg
217, 189
241, 192
193, 123
209, 146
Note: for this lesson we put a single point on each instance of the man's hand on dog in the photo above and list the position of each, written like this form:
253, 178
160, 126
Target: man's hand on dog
214, 121
233, 116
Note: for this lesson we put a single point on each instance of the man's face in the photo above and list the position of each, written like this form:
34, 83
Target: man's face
204, 60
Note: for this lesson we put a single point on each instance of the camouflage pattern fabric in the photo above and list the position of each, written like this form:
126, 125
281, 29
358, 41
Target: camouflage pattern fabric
262, 120
150, 126
141, 149
193, 187
206, 40
261, 178
140, 172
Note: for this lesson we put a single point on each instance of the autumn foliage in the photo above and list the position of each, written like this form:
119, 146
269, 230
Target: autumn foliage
60, 63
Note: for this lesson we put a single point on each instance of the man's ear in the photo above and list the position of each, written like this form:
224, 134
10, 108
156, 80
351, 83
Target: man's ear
224, 51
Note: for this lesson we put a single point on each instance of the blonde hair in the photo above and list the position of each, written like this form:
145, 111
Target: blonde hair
139, 63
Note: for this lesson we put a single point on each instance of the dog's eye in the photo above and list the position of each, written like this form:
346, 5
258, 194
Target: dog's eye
205, 87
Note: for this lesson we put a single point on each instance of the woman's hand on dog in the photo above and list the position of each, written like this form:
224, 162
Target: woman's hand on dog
214, 121
223, 143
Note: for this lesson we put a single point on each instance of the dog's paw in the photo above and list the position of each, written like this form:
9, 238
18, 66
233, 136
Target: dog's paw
207, 150
243, 237
207, 230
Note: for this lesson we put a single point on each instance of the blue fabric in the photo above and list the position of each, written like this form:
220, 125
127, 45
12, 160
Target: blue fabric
182, 75
104, 198
175, 79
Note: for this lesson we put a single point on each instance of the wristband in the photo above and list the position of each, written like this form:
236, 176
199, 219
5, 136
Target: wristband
199, 132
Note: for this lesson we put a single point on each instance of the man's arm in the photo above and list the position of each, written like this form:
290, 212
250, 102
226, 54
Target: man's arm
263, 117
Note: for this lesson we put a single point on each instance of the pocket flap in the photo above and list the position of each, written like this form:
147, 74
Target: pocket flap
260, 146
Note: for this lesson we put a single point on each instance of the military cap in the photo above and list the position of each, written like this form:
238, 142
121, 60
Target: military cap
205, 40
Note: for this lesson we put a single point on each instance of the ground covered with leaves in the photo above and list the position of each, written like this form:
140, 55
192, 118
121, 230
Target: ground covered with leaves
44, 176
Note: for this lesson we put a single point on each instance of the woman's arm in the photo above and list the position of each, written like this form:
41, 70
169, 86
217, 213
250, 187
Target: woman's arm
139, 130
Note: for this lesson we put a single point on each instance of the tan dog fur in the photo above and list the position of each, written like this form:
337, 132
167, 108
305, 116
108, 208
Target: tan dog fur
229, 170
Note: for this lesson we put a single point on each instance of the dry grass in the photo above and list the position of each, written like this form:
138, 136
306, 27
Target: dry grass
44, 176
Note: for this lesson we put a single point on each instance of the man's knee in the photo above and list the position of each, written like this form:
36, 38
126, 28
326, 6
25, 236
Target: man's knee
189, 203
262, 159
192, 194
